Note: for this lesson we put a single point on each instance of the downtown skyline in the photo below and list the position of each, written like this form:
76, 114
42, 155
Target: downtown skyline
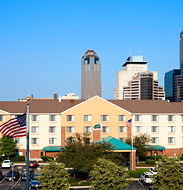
42, 43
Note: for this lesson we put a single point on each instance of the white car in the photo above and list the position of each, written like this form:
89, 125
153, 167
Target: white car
146, 177
154, 171
7, 164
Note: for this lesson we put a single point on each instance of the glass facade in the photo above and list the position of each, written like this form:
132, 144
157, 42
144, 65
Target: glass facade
181, 52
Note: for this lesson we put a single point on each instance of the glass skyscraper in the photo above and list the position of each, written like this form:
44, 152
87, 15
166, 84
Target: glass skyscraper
90, 75
181, 52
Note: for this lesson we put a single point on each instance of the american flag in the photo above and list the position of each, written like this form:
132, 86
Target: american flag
129, 123
15, 127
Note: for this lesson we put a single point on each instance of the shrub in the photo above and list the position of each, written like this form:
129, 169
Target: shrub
75, 184
73, 180
181, 156
18, 158
136, 173
85, 183
46, 158
150, 162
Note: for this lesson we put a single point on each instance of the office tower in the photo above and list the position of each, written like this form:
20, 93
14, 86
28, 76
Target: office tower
178, 88
181, 52
90, 75
171, 85
132, 66
144, 86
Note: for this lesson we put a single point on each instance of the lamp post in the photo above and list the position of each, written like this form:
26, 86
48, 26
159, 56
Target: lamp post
12, 179
155, 156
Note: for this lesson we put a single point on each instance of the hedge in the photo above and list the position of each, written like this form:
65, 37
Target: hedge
136, 173
46, 158
150, 162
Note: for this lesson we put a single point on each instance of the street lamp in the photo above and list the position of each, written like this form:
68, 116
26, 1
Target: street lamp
12, 179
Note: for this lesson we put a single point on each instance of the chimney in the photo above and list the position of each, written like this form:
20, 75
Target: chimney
55, 96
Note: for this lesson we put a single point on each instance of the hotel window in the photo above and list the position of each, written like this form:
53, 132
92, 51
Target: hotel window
171, 129
122, 129
52, 140
138, 118
105, 118
122, 117
35, 140
87, 117
35, 129
70, 140
52, 129
52, 118
155, 140
154, 118
154, 129
70, 117
70, 129
35, 117
182, 129
171, 140
87, 129
138, 129
182, 139
122, 139
171, 118
19, 140
105, 129
2, 118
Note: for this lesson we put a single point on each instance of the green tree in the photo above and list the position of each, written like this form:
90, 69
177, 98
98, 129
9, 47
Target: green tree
139, 142
169, 176
107, 175
7, 146
81, 155
53, 176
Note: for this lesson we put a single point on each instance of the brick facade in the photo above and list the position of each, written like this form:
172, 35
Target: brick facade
96, 135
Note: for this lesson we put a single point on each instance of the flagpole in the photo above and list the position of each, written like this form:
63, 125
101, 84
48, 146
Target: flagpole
27, 153
132, 141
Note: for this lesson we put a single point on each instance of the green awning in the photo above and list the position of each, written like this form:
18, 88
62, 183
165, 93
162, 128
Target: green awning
155, 147
118, 145
52, 148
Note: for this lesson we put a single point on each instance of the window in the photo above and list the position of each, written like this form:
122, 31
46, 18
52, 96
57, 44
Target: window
182, 129
105, 129
122, 139
171, 140
19, 140
52, 140
87, 129
138, 129
35, 129
52, 129
70, 140
87, 117
171, 129
2, 118
138, 118
182, 117
171, 118
105, 118
122, 117
182, 139
70, 117
70, 129
52, 118
35, 117
155, 140
154, 118
154, 129
122, 129
35, 140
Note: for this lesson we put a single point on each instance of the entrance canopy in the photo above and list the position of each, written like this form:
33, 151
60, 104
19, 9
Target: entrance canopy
155, 147
52, 148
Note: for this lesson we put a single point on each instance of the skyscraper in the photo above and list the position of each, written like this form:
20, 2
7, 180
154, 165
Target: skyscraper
181, 52
90, 75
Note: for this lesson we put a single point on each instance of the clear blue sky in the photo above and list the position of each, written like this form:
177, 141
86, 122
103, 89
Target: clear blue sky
42, 42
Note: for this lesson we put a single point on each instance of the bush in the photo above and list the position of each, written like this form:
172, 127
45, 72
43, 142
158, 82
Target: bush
85, 183
73, 180
150, 162
75, 184
136, 173
18, 158
46, 158
181, 156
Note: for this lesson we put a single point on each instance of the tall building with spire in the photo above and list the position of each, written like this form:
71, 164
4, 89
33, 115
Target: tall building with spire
90, 75
181, 52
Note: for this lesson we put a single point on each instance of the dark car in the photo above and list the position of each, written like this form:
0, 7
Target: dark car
33, 164
34, 181
23, 174
15, 177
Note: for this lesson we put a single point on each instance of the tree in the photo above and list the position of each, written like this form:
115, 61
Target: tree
53, 176
7, 146
107, 175
139, 142
169, 175
81, 155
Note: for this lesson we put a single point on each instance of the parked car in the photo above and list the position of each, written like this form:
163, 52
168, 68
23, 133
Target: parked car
23, 174
15, 177
7, 164
154, 171
146, 177
34, 181
33, 164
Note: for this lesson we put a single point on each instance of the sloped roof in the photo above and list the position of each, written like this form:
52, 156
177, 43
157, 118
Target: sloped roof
117, 144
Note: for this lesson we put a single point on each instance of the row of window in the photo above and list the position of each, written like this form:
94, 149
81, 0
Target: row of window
35, 129
36, 118
155, 129
171, 140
